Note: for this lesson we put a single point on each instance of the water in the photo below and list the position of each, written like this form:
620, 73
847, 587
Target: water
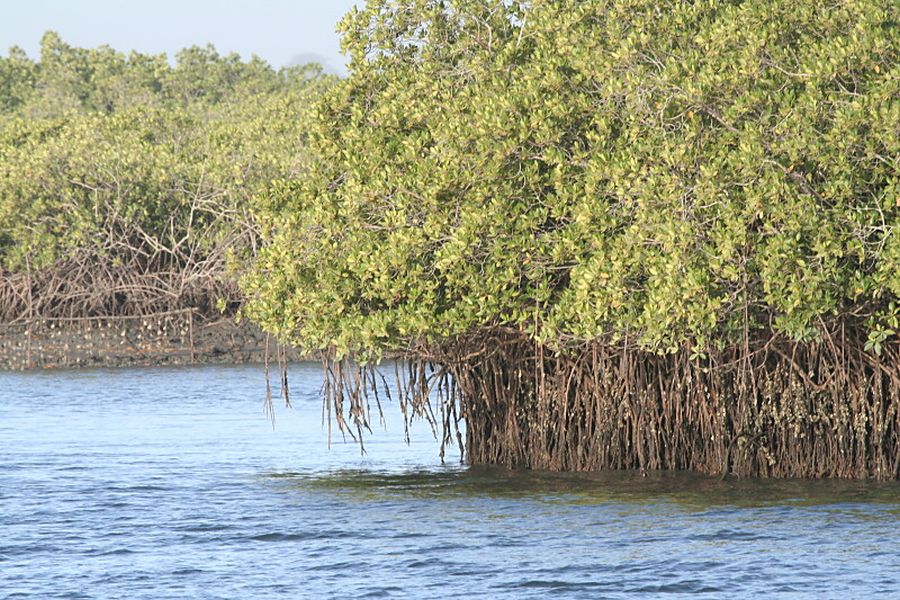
171, 483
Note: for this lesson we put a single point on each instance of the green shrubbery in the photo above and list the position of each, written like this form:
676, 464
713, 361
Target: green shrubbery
673, 173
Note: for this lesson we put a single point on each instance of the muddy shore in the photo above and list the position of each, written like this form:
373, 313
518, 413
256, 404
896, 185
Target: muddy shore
165, 339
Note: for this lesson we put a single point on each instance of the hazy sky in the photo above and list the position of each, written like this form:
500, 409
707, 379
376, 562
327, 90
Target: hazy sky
277, 30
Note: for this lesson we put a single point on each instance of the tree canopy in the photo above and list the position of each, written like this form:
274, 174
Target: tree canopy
663, 173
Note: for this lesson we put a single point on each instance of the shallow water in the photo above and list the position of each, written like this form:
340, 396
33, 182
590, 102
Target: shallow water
171, 483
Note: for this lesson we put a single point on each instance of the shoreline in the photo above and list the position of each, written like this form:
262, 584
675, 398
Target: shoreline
174, 338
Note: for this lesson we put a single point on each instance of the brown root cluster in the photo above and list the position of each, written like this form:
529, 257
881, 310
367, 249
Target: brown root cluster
91, 285
767, 408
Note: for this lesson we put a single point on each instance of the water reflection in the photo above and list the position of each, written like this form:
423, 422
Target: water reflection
685, 489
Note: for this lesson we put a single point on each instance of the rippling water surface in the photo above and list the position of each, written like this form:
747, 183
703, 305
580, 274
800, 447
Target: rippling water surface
171, 483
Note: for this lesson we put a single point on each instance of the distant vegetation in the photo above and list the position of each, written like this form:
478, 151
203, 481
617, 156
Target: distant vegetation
623, 233
128, 181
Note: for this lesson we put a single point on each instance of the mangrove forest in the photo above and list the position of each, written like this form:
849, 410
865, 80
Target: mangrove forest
587, 234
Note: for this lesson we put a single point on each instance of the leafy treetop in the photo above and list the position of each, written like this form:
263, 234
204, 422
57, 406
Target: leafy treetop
662, 172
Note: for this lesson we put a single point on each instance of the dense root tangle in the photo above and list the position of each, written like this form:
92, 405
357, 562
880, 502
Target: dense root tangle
756, 413
135, 281
769, 408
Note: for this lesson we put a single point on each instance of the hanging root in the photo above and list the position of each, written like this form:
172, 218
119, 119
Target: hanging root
350, 389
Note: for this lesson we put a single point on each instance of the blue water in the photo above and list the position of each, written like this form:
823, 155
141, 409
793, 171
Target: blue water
171, 483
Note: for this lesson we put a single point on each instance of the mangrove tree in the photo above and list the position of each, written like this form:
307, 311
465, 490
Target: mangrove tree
624, 234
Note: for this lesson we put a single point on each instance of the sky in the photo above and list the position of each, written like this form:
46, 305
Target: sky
280, 31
